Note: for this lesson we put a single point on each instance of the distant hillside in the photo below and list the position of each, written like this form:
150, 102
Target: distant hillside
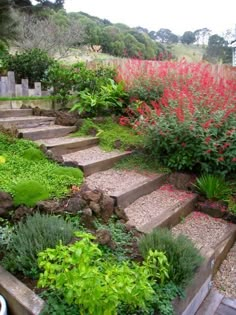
189, 52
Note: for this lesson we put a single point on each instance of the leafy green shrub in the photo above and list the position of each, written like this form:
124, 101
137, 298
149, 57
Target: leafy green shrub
36, 234
5, 233
28, 193
31, 64
99, 286
71, 172
17, 169
182, 255
108, 99
213, 187
33, 154
71, 81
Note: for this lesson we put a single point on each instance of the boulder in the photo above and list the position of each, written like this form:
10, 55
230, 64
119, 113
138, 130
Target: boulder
92, 195
107, 208
6, 203
95, 207
103, 237
65, 118
75, 205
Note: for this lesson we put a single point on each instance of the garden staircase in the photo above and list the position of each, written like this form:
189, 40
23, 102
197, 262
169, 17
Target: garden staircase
147, 199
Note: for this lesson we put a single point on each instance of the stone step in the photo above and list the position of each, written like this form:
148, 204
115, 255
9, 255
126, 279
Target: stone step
65, 145
125, 186
164, 207
26, 121
45, 132
4, 113
94, 159
209, 235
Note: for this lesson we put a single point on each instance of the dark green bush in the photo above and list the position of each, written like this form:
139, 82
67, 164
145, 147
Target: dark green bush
36, 234
33, 154
182, 255
32, 64
28, 193
75, 173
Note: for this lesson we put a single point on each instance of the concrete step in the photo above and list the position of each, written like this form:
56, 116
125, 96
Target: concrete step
125, 186
26, 121
164, 207
45, 132
94, 159
4, 113
65, 145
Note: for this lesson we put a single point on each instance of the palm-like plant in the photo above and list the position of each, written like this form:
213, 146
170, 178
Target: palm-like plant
213, 187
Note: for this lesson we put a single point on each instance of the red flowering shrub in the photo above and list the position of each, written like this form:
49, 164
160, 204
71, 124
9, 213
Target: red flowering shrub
192, 124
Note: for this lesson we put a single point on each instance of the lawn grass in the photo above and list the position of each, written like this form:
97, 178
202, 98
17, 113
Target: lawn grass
17, 167
25, 98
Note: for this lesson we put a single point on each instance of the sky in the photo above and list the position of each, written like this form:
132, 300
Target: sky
178, 16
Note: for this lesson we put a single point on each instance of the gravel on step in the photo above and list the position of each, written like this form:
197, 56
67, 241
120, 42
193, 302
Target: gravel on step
112, 180
60, 140
203, 230
90, 155
148, 207
225, 279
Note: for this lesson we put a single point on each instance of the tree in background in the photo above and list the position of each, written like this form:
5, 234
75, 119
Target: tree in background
27, 5
7, 22
164, 35
202, 35
54, 34
188, 38
217, 50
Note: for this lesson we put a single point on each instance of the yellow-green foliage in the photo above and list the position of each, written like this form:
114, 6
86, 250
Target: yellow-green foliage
19, 168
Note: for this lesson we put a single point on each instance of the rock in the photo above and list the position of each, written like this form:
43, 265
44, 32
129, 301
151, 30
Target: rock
70, 163
182, 181
107, 208
65, 118
95, 207
103, 237
49, 206
21, 212
36, 111
216, 209
75, 204
92, 195
87, 218
6, 203
117, 144
121, 214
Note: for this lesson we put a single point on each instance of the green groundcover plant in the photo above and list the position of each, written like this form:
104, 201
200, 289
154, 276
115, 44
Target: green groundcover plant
24, 163
111, 134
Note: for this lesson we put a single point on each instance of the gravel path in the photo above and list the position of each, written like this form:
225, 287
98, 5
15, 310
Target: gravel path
90, 155
60, 140
202, 229
112, 181
150, 206
225, 279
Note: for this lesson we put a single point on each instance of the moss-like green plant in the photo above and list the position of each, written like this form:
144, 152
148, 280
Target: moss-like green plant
17, 169
111, 134
182, 255
36, 234
213, 187
72, 172
28, 193
33, 154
